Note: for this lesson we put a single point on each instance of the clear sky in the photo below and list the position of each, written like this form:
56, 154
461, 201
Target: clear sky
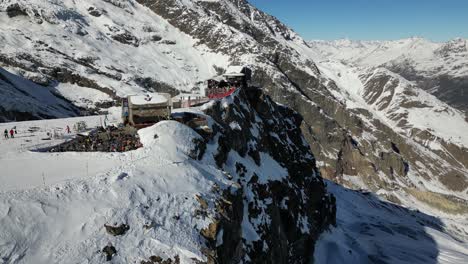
438, 20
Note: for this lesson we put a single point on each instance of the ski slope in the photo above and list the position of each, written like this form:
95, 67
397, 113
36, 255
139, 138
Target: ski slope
61, 219
47, 168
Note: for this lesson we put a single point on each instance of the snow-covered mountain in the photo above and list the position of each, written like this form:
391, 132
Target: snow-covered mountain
395, 131
439, 68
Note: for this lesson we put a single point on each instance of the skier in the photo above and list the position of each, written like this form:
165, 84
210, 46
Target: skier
12, 133
105, 121
16, 132
6, 133
68, 129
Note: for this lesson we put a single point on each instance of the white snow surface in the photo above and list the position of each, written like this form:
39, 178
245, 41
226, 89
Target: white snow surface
19, 94
82, 96
153, 98
71, 196
373, 231
72, 31
53, 206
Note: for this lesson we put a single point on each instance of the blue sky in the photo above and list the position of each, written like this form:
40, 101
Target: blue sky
438, 20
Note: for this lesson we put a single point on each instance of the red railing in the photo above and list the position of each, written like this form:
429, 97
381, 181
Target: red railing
221, 94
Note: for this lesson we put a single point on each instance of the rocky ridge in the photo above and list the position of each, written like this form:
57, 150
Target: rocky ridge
280, 210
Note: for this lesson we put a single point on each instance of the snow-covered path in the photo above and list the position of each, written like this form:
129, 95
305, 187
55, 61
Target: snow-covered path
155, 186
22, 167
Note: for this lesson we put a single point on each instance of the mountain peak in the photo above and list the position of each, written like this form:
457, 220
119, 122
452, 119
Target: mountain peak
455, 46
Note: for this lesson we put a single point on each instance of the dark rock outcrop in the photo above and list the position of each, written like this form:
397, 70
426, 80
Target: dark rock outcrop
117, 230
286, 214
109, 251
16, 10
153, 85
126, 38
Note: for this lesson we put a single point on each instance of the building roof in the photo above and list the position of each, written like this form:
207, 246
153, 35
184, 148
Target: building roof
152, 98
186, 95
231, 71
234, 71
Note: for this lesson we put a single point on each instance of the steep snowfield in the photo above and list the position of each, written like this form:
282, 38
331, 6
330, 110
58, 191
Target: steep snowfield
21, 95
396, 102
372, 231
124, 47
113, 49
81, 96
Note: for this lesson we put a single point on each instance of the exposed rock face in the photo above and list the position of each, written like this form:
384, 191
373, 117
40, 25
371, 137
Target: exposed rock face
117, 230
454, 91
267, 220
15, 10
126, 38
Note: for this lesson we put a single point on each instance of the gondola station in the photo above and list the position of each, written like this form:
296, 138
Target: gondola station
224, 85
142, 111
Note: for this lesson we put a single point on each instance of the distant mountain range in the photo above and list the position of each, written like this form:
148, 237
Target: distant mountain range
439, 68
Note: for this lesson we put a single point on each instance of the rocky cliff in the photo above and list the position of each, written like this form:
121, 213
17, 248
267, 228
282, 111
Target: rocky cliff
282, 205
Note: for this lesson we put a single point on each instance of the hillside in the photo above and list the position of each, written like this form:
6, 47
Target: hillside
187, 198
182, 196
383, 117
25, 100
439, 68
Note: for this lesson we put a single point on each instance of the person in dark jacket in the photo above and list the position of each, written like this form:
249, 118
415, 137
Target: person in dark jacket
6, 133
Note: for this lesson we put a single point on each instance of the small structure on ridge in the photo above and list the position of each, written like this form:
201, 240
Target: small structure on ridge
145, 110
234, 78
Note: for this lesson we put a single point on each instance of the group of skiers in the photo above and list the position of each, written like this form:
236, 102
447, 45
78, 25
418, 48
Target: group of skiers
12, 133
